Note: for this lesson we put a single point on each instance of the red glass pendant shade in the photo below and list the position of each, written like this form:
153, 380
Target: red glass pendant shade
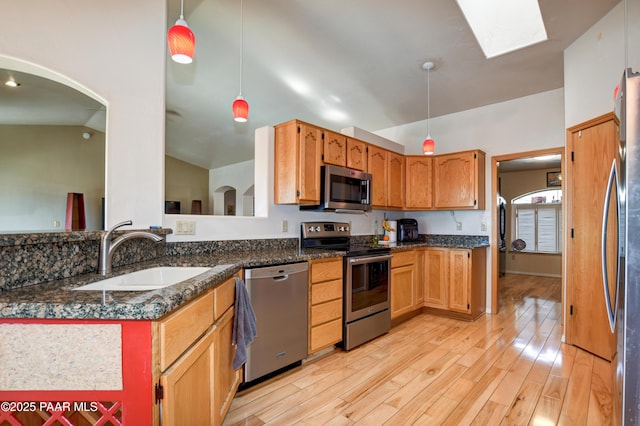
428, 146
240, 110
182, 42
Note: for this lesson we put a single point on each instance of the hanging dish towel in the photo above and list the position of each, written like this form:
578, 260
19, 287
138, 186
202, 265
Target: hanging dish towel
244, 324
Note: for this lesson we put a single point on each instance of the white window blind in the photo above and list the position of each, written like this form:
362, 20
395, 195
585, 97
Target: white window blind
539, 226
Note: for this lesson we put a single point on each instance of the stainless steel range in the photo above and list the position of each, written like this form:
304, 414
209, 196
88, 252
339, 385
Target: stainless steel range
366, 282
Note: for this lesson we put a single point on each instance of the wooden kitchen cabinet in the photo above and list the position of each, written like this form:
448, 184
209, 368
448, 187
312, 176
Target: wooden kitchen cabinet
419, 182
335, 148
459, 180
195, 359
404, 282
325, 303
435, 277
395, 180
387, 171
377, 167
297, 161
356, 154
455, 282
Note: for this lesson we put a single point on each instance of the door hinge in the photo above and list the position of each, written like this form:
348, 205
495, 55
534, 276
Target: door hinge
572, 156
468, 306
475, 202
322, 157
571, 232
297, 193
159, 393
299, 129
475, 155
468, 255
571, 310
322, 135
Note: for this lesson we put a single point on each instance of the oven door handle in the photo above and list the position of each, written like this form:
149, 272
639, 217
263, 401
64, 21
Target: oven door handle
368, 259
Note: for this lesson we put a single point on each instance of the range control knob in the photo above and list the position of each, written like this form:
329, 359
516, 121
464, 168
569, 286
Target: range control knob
317, 229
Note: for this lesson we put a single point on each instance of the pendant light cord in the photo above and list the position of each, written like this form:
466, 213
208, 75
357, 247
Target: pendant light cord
182, 9
428, 103
241, 43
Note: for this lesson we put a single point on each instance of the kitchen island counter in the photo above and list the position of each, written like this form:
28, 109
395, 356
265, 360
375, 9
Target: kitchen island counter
57, 300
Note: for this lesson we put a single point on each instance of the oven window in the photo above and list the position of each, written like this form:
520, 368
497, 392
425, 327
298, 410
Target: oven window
369, 284
346, 189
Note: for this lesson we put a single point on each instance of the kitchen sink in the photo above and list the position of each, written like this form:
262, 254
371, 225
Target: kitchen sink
150, 279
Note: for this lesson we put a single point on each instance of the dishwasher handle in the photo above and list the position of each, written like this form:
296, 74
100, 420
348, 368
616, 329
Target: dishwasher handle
277, 272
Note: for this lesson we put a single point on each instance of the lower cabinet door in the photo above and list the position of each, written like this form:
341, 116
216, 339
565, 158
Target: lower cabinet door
402, 294
459, 281
226, 378
188, 385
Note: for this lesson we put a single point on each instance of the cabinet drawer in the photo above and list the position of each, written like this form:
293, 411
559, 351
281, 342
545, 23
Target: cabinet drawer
180, 329
402, 258
325, 335
325, 271
225, 296
326, 291
326, 312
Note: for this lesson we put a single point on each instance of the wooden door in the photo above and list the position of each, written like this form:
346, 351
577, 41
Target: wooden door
377, 167
593, 148
395, 181
227, 379
402, 286
435, 278
356, 154
419, 182
335, 148
459, 280
454, 179
188, 386
310, 147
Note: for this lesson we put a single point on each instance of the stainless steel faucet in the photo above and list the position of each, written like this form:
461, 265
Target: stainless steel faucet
107, 246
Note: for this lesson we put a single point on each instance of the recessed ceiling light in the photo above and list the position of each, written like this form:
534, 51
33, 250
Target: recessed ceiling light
11, 83
502, 26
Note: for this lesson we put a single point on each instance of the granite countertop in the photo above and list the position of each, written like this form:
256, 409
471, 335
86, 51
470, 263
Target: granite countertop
57, 299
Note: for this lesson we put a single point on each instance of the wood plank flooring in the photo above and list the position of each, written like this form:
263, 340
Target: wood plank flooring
504, 369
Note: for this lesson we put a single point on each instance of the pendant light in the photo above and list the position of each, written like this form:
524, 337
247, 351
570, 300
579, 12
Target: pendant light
429, 145
240, 107
181, 40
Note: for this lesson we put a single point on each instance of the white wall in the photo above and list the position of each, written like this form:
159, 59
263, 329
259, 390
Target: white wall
525, 124
115, 52
594, 63
239, 176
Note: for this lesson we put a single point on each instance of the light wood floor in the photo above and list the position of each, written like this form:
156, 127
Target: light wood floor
509, 368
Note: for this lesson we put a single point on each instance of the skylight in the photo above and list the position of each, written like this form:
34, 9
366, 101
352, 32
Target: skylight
502, 26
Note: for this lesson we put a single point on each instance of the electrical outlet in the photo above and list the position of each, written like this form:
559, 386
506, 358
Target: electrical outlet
284, 226
56, 224
483, 226
185, 227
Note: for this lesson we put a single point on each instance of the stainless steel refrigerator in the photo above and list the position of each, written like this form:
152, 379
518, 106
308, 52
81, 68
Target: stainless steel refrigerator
625, 307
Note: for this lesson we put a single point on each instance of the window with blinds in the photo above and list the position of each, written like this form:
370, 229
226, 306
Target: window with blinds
538, 224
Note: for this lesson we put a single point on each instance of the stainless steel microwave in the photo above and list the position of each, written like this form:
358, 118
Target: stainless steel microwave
343, 189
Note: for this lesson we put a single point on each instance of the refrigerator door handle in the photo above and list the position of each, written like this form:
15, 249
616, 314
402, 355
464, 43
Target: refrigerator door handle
612, 308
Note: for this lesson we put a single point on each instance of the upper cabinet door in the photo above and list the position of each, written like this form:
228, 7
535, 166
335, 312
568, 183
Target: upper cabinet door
356, 154
419, 182
459, 180
335, 148
377, 167
298, 157
395, 183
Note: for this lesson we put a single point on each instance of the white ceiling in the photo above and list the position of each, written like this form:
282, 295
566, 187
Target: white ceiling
334, 63
338, 63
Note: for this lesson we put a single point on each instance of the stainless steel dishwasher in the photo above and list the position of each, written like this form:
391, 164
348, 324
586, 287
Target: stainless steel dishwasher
279, 296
